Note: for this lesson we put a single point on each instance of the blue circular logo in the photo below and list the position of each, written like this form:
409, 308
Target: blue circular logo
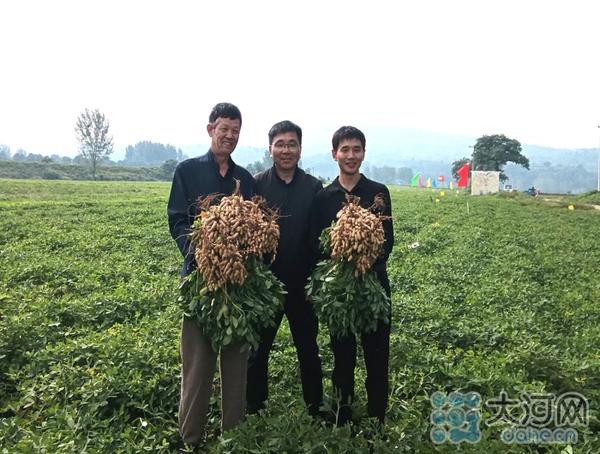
437, 435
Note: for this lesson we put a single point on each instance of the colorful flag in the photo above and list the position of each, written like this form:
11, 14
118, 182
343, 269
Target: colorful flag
415, 180
420, 182
463, 176
428, 182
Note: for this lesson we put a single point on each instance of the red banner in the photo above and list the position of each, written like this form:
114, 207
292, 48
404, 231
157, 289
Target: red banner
463, 176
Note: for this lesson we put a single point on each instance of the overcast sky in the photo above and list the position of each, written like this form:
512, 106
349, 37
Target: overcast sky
528, 69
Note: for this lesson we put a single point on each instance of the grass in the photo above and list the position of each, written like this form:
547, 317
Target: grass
57, 171
490, 293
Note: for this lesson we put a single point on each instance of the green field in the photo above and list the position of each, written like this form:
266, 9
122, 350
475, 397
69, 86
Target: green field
57, 171
490, 293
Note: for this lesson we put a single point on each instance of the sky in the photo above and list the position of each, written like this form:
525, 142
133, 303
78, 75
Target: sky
528, 69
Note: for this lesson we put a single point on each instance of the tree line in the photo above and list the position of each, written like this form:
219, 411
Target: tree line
492, 153
92, 130
96, 146
385, 174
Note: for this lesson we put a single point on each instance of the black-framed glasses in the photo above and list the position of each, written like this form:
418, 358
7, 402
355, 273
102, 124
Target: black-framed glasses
292, 146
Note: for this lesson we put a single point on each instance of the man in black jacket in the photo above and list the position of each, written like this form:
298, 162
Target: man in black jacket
213, 173
288, 188
349, 152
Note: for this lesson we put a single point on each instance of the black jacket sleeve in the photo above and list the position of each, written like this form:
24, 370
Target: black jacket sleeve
388, 227
314, 230
178, 211
315, 227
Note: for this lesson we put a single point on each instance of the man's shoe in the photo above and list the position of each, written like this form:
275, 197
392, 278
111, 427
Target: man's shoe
344, 416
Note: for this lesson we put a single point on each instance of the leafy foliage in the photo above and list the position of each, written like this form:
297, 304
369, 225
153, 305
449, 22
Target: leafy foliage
493, 152
4, 152
234, 313
151, 153
57, 171
258, 166
500, 296
346, 304
91, 130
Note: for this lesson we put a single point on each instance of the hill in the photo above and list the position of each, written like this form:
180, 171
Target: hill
552, 170
556, 170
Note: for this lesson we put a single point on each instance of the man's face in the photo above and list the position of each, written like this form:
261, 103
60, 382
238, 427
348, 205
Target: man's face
349, 156
224, 134
285, 150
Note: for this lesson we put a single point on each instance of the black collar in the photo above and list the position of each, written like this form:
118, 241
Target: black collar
336, 183
230, 164
297, 173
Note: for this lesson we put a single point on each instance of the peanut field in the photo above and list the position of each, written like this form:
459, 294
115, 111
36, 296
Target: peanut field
490, 294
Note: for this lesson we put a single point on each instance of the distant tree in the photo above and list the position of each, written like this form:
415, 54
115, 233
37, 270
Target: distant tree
20, 155
493, 152
96, 144
253, 168
167, 169
388, 174
4, 152
385, 174
457, 165
267, 161
34, 157
78, 160
46, 159
258, 166
404, 174
151, 153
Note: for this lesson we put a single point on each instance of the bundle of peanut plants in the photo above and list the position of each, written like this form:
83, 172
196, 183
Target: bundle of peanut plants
232, 294
345, 290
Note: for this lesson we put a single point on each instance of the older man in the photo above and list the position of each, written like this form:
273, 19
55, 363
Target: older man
214, 172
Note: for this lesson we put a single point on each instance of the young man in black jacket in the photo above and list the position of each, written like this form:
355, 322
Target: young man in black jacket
288, 188
349, 152
213, 173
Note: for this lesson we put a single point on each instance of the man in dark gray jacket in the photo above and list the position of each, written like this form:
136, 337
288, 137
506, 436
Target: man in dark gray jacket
288, 188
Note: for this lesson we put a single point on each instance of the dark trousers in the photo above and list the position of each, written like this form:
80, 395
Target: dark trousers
376, 350
304, 327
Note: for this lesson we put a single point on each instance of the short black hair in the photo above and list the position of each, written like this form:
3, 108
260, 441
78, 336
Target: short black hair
225, 110
283, 127
348, 132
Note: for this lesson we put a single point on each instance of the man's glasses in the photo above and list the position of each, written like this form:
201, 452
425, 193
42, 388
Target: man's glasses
280, 146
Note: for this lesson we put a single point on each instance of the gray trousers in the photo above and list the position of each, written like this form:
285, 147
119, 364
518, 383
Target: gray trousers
197, 373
